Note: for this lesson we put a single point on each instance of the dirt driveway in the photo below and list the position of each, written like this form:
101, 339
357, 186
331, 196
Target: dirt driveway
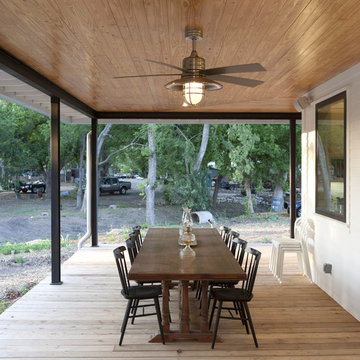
28, 217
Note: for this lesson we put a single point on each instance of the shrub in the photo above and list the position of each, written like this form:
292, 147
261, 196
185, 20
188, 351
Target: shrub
191, 191
13, 248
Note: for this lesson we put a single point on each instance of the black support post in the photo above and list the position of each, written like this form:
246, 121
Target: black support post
94, 183
292, 177
55, 191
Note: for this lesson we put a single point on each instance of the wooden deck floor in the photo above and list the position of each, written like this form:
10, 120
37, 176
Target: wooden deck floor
81, 320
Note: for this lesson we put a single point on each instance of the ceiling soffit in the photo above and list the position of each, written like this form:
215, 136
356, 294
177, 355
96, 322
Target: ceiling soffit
80, 46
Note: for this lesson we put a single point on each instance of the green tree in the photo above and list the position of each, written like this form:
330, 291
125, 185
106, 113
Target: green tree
218, 151
243, 147
181, 150
261, 153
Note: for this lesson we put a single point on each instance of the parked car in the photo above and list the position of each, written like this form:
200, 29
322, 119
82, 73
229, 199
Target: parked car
34, 187
297, 207
225, 184
114, 184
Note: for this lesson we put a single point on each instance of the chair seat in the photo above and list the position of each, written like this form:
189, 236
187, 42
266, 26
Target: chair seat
286, 242
224, 283
139, 282
231, 294
143, 292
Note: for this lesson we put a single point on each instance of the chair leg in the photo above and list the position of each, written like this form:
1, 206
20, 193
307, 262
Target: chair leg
280, 265
212, 313
243, 314
198, 290
272, 259
209, 296
158, 313
126, 317
300, 262
134, 310
251, 324
216, 323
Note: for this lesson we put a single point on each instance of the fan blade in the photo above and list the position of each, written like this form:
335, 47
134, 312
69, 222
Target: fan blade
165, 64
234, 69
235, 80
140, 76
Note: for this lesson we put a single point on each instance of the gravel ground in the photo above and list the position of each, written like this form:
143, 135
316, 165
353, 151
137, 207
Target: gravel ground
20, 272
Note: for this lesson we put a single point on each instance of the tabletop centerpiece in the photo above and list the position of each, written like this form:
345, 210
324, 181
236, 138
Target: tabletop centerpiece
187, 237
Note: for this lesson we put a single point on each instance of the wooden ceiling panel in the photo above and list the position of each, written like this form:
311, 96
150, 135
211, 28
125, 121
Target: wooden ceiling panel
81, 45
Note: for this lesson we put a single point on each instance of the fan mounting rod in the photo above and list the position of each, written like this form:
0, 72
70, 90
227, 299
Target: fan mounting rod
194, 63
193, 34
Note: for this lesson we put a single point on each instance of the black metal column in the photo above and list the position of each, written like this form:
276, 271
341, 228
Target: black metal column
55, 191
292, 176
94, 183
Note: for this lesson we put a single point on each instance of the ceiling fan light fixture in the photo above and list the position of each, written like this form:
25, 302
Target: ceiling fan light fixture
193, 88
193, 92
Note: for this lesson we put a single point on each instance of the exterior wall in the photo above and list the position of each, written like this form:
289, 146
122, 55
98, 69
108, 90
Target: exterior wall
336, 242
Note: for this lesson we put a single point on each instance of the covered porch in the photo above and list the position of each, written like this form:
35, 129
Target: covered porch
73, 56
81, 319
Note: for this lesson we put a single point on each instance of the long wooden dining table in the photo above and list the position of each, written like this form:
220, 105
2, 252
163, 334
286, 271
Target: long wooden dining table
159, 260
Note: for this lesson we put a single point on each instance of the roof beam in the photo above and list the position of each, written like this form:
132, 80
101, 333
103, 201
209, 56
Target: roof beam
25, 73
200, 115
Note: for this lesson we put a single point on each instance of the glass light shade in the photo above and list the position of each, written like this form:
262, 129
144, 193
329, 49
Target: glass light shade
193, 92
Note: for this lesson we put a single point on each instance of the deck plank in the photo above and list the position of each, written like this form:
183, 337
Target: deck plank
81, 319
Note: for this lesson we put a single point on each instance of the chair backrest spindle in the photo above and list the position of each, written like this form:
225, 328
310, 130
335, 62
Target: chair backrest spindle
122, 268
251, 266
225, 234
132, 249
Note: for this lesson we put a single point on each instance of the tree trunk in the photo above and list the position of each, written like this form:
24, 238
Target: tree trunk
84, 202
150, 187
249, 196
202, 150
278, 198
216, 190
101, 139
81, 165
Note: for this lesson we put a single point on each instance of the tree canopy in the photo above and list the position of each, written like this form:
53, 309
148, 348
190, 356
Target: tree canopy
257, 154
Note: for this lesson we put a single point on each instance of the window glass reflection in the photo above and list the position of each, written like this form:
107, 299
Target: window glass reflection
330, 162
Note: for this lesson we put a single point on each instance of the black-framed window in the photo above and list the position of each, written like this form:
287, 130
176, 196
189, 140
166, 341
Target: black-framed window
331, 157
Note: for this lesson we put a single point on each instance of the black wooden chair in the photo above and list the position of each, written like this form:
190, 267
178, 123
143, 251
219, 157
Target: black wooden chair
238, 247
132, 248
233, 235
239, 296
134, 294
137, 232
225, 234
135, 237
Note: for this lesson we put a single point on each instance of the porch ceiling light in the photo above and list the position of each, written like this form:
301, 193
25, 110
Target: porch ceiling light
193, 88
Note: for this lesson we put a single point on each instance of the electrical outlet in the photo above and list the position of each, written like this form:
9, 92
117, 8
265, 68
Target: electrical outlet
327, 268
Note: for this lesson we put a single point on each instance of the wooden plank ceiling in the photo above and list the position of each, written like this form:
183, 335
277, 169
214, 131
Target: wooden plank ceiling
81, 45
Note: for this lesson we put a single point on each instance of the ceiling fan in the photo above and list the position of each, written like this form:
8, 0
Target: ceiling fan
195, 79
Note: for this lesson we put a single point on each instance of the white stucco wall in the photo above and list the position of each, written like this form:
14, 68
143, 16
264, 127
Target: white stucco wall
336, 242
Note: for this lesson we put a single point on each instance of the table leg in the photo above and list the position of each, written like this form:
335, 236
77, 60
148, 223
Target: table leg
165, 306
184, 315
184, 332
204, 323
